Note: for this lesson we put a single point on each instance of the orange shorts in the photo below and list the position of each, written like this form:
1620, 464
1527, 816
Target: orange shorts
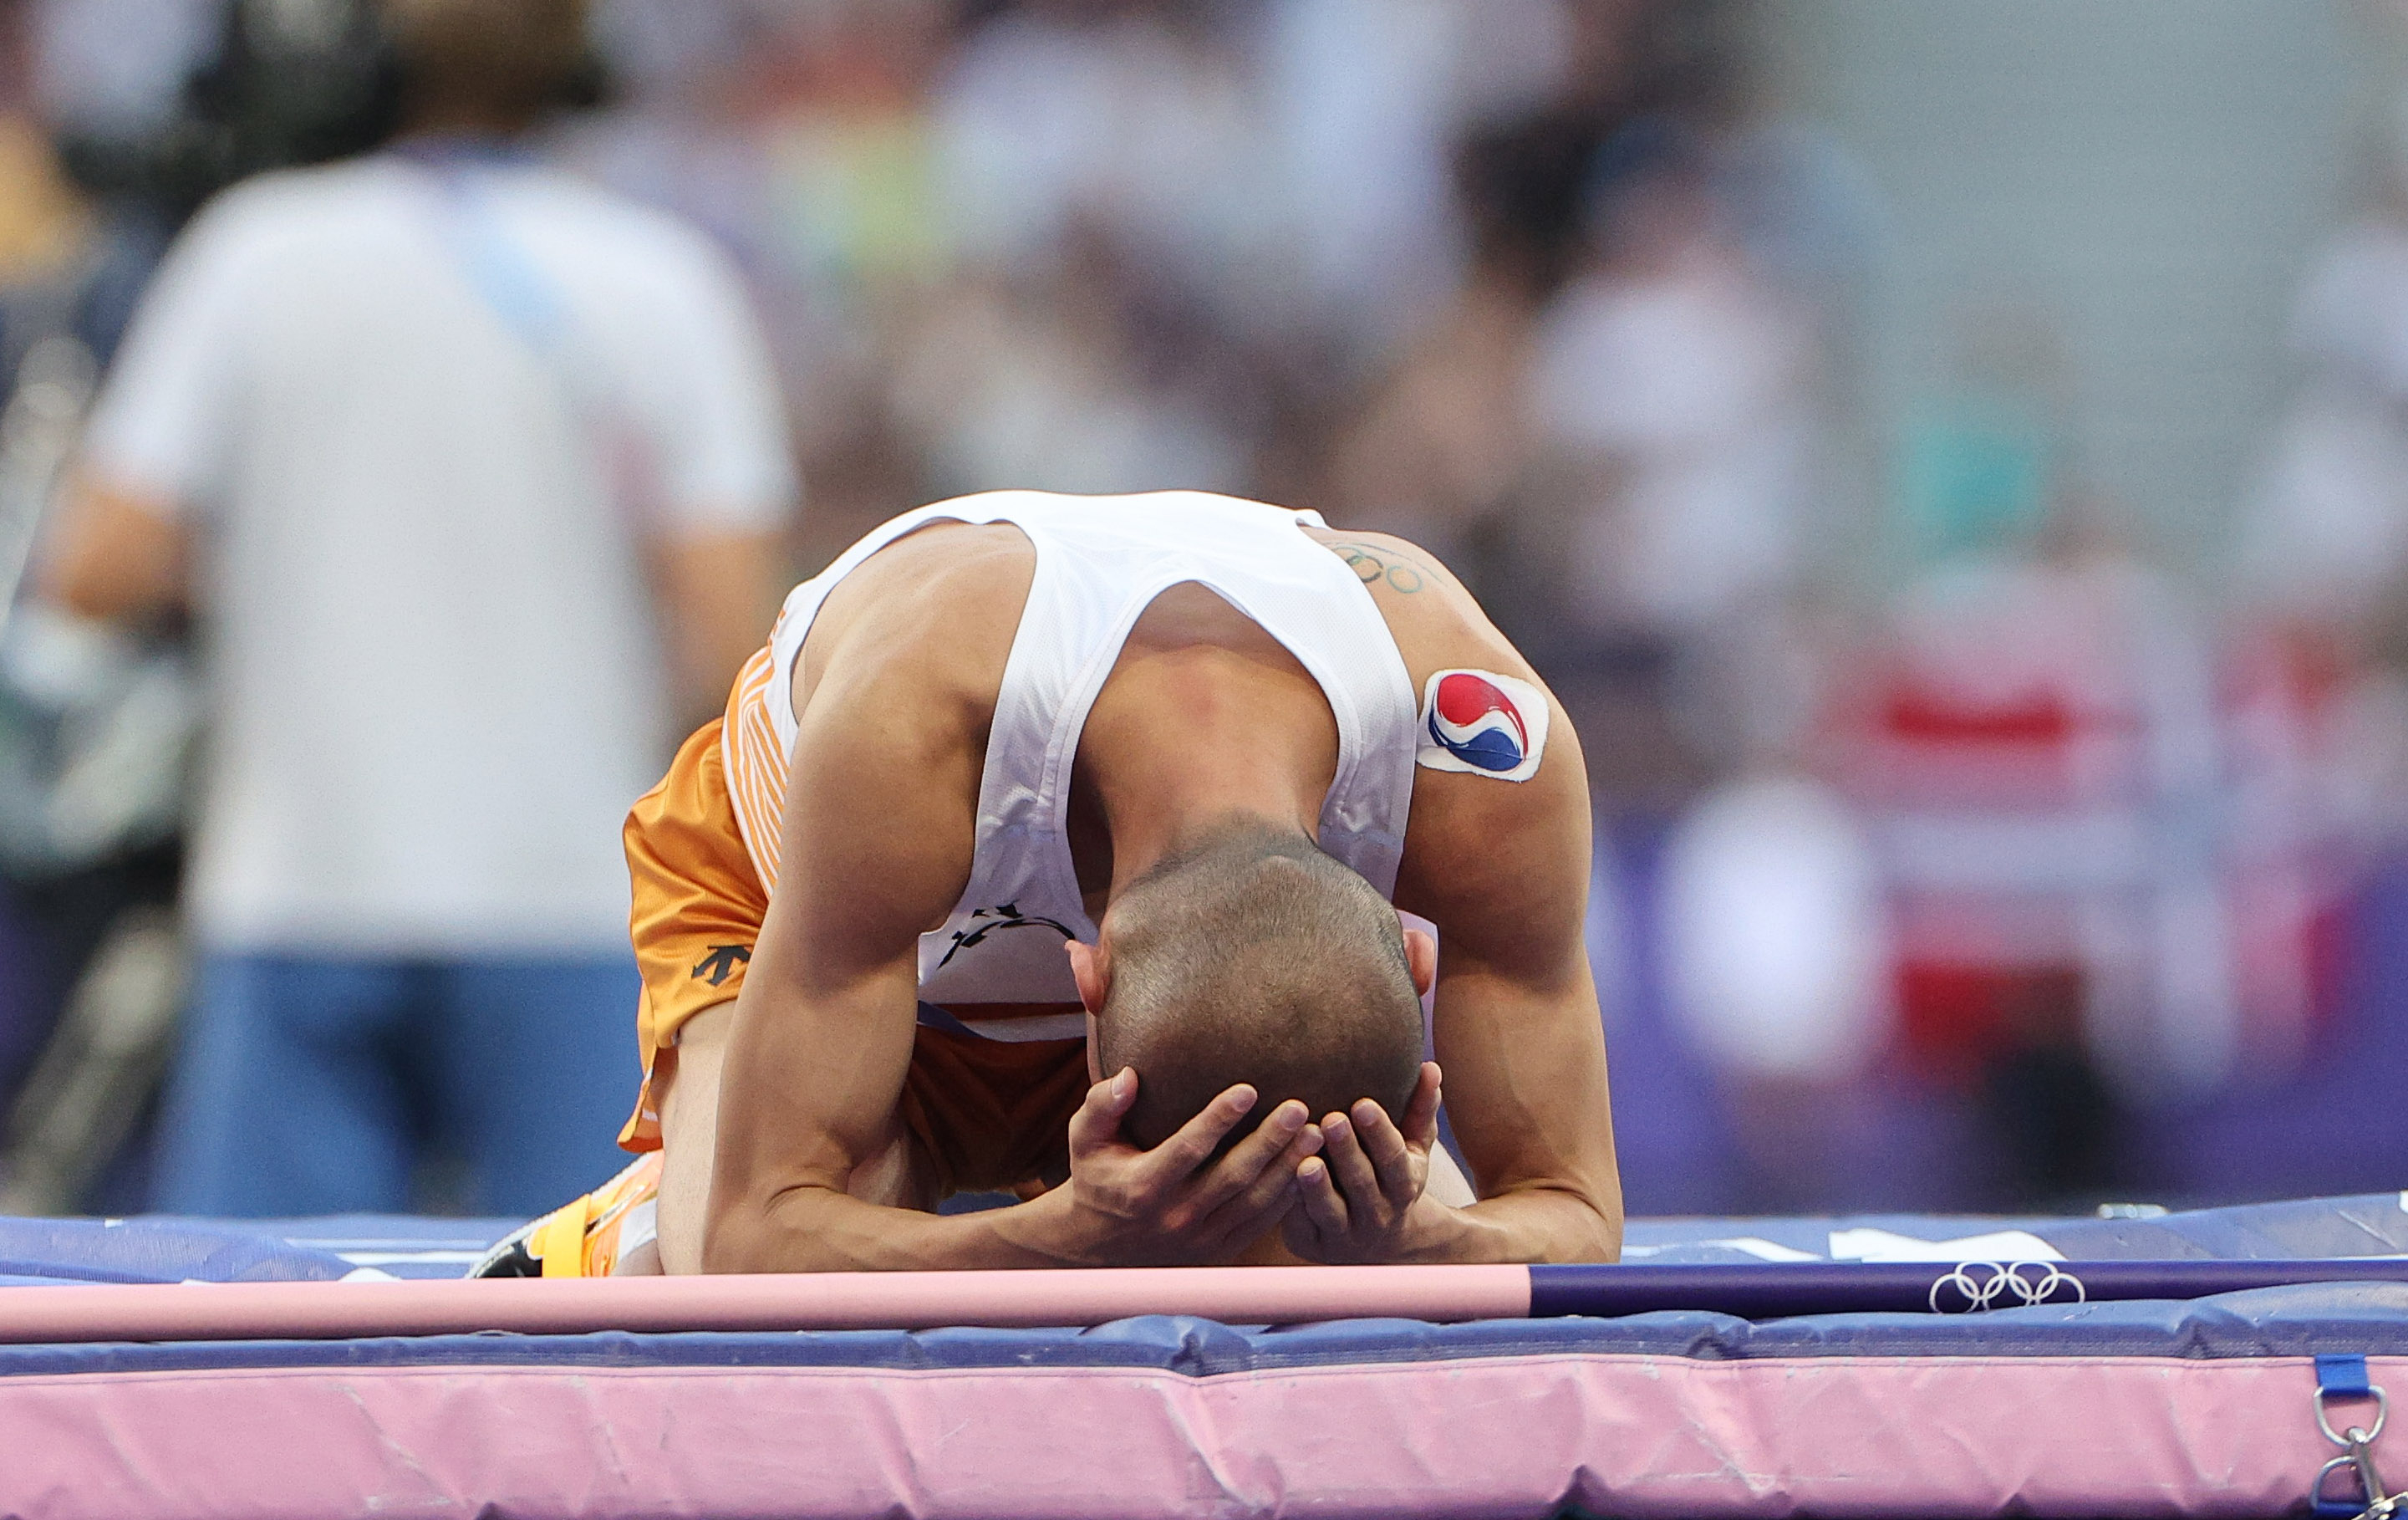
990, 1114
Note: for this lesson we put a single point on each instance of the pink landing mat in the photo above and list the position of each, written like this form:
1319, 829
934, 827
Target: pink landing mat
1511, 1435
798, 1301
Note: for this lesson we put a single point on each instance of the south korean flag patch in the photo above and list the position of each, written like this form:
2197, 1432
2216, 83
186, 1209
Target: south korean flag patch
1484, 722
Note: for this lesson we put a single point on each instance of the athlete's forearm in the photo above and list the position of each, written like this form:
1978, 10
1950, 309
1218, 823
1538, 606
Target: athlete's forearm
820, 1230
1527, 1224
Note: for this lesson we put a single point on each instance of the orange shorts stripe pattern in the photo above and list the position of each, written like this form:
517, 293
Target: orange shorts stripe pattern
756, 764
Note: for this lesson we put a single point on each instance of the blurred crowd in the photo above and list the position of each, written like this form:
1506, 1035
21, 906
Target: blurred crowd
1958, 847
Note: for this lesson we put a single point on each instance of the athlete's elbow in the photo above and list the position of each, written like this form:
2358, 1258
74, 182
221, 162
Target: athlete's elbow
1587, 1226
728, 1243
745, 1234
1602, 1238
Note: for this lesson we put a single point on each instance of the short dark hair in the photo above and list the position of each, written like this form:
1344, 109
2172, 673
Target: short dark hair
509, 60
1251, 956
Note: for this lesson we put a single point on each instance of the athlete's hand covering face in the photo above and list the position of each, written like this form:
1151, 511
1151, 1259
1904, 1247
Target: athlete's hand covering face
1175, 1205
1358, 1201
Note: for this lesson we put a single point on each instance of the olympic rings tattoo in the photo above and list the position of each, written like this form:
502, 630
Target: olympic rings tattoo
1371, 566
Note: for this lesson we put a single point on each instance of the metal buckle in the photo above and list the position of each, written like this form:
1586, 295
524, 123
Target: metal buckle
2371, 1501
2356, 1436
2355, 1458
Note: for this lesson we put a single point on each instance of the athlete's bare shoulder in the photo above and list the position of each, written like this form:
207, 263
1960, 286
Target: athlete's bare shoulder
1384, 562
1434, 618
933, 613
1496, 851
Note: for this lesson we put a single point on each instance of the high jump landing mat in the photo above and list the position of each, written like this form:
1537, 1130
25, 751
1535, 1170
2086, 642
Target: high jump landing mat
2218, 1362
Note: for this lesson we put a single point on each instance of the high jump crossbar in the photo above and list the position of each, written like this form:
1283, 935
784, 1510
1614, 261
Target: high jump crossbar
1233, 1295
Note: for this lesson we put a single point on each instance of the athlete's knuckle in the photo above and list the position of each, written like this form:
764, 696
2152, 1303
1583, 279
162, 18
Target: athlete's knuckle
1182, 1159
1239, 1173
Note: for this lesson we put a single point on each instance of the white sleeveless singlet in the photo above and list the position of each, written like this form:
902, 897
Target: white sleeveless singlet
1102, 560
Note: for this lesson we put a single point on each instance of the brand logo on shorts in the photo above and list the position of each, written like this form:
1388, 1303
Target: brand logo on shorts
1484, 722
721, 963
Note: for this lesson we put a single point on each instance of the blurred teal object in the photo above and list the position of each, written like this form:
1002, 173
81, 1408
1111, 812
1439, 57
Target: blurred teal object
1975, 475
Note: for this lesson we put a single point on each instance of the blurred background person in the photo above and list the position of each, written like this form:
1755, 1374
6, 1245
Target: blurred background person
473, 476
94, 725
2030, 727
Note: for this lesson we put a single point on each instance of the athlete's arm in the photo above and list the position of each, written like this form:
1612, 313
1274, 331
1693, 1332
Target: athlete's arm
1502, 868
878, 830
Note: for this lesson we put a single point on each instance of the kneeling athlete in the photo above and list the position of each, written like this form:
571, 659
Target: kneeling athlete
1050, 846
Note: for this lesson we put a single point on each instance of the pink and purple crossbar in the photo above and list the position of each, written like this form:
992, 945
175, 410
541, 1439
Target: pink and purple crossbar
2105, 1367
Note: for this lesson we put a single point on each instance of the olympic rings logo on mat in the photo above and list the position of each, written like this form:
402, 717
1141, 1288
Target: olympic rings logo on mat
1972, 1286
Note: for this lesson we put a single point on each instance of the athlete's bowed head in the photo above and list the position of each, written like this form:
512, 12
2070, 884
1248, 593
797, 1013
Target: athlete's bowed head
1252, 957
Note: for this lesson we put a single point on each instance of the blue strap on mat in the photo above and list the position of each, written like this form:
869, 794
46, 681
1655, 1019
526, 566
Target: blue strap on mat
2345, 1376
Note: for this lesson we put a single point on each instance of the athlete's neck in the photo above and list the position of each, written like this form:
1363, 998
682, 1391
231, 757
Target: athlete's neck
1145, 838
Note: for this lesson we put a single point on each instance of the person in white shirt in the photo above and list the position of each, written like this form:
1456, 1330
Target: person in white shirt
474, 474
